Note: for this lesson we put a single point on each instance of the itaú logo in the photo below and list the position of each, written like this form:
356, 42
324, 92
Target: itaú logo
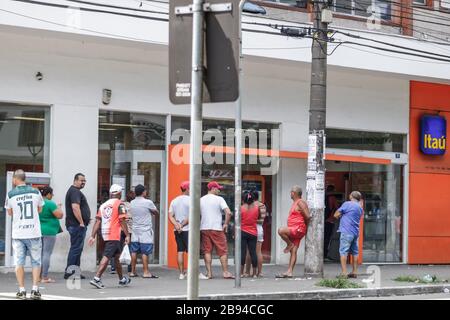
433, 134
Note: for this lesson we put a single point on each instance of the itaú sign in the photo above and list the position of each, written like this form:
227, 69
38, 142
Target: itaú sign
433, 134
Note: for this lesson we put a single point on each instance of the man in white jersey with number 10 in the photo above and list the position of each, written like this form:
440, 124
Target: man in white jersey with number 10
24, 204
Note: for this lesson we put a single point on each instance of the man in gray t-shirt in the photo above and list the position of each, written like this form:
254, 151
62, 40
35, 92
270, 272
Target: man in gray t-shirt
141, 210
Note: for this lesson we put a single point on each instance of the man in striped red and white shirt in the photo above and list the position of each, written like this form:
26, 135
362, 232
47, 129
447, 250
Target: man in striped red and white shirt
111, 217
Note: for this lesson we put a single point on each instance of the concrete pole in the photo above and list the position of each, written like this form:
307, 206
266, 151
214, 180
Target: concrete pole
316, 163
238, 165
195, 166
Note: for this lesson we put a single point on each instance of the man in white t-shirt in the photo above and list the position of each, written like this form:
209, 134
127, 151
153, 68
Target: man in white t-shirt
212, 230
179, 217
24, 204
141, 210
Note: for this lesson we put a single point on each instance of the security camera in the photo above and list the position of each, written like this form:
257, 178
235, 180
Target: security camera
106, 96
39, 76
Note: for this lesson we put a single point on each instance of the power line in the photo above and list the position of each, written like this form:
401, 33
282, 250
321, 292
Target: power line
116, 7
390, 44
83, 29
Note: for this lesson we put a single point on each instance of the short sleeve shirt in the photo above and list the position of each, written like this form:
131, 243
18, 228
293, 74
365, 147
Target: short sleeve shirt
141, 214
351, 215
212, 207
49, 223
179, 207
25, 202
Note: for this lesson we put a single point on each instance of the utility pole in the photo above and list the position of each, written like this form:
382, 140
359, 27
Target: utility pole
315, 183
195, 168
238, 165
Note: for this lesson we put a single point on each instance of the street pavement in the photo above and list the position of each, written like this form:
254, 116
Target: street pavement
168, 286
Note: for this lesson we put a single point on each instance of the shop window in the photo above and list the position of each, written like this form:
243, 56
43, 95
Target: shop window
130, 153
251, 180
365, 140
382, 189
255, 135
24, 142
364, 8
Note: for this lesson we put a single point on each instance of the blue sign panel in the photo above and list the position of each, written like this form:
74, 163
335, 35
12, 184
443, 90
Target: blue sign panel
433, 134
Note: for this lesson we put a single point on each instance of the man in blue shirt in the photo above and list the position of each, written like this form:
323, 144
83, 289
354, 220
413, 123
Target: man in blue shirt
350, 213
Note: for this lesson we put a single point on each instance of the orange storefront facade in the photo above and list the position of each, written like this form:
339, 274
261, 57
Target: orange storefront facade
429, 181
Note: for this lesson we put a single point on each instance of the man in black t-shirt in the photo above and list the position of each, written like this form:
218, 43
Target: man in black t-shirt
78, 216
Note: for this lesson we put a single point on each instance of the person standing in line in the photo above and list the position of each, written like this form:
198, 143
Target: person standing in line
296, 229
78, 216
251, 210
23, 204
179, 217
330, 208
142, 210
129, 197
350, 214
111, 217
259, 243
50, 227
212, 230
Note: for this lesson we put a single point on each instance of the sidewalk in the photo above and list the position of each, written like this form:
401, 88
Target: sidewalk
169, 287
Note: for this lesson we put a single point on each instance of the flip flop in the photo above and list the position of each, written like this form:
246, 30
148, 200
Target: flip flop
283, 276
230, 276
49, 280
151, 277
133, 275
352, 275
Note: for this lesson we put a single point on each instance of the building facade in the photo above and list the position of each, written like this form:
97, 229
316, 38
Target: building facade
59, 64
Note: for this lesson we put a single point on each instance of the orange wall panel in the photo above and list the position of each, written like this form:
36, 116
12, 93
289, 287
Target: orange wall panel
429, 181
429, 200
425, 250
178, 172
431, 96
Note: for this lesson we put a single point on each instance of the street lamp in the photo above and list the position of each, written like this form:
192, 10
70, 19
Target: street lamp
249, 7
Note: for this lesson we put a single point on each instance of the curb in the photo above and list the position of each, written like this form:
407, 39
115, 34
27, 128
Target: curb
328, 294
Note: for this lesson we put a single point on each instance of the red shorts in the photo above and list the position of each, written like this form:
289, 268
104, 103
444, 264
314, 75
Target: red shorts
296, 235
214, 238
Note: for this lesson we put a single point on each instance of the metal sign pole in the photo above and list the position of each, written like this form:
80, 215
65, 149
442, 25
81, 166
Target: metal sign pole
238, 166
195, 166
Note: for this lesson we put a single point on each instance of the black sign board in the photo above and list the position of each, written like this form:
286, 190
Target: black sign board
221, 54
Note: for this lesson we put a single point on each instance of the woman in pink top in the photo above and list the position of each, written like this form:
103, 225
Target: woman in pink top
250, 212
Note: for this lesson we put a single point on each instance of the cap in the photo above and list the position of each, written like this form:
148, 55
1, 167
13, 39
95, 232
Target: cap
214, 184
115, 188
184, 185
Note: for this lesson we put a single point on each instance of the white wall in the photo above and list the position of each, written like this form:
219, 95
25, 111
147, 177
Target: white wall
293, 172
75, 72
74, 141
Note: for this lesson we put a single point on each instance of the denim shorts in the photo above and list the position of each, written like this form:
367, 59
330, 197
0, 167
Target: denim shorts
143, 248
27, 247
348, 245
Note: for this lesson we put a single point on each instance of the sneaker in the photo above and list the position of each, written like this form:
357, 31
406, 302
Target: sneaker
125, 281
35, 295
182, 276
21, 295
201, 276
112, 271
97, 283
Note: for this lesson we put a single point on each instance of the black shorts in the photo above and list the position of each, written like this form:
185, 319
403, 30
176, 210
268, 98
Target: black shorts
182, 240
112, 248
